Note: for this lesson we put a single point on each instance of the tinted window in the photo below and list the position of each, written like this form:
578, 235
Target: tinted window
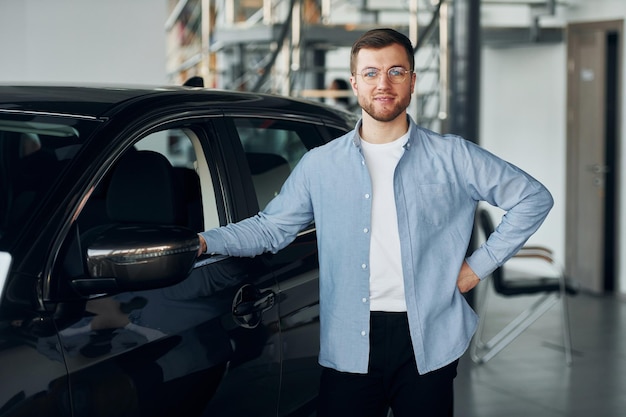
32, 155
273, 148
177, 147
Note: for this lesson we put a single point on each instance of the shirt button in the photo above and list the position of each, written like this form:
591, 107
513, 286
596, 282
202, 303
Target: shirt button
364, 300
363, 266
363, 333
366, 230
367, 196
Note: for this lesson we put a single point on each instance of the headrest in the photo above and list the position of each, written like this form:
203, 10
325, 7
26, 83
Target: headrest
144, 189
190, 183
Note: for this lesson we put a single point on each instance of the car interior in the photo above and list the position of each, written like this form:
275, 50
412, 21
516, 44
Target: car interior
31, 157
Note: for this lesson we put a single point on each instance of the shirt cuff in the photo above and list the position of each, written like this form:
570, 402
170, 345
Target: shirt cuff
481, 263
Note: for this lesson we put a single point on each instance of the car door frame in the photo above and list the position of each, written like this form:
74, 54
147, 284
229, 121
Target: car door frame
298, 287
219, 151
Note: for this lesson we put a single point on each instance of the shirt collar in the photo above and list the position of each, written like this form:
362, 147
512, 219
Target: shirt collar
356, 138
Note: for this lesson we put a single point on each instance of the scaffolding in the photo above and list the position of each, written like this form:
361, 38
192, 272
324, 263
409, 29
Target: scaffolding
298, 47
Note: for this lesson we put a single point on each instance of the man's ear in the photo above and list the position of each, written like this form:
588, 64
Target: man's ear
353, 84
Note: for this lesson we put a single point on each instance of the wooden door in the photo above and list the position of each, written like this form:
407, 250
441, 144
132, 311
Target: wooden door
589, 130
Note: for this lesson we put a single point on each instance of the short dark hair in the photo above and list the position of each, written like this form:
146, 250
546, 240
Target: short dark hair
380, 38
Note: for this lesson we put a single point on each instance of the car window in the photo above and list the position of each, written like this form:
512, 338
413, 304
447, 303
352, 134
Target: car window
178, 147
32, 155
273, 148
155, 182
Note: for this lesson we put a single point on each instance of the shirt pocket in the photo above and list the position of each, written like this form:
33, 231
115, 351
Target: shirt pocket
438, 202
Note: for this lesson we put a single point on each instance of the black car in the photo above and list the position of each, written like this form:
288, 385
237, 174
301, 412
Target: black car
105, 308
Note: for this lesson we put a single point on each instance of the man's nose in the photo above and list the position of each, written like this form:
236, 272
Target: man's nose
383, 80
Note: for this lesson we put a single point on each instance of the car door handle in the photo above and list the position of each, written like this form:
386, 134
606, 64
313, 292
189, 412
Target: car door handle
263, 303
250, 303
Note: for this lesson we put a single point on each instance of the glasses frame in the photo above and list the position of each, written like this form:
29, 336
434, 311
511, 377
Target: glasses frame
379, 72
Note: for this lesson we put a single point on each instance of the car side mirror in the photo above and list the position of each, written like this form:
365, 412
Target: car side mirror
136, 258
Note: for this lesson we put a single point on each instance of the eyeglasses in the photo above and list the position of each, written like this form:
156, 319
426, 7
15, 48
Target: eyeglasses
396, 75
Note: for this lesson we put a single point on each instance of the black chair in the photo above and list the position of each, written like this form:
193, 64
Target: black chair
550, 289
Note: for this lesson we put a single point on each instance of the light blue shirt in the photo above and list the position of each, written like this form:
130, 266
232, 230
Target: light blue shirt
438, 183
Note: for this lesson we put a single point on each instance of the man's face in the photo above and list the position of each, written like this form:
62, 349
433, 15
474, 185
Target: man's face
383, 101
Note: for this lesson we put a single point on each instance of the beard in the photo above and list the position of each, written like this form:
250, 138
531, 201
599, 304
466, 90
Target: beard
384, 113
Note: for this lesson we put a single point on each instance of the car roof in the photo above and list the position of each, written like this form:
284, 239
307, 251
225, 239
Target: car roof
95, 101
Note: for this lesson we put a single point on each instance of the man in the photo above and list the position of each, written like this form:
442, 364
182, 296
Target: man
394, 208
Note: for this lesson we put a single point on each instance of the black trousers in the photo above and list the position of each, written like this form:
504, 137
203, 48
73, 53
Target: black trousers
392, 381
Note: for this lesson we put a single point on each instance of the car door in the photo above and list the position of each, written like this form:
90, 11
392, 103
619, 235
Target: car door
33, 370
273, 145
33, 375
194, 348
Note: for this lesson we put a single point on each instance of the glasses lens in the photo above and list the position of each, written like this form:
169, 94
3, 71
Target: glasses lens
397, 74
370, 75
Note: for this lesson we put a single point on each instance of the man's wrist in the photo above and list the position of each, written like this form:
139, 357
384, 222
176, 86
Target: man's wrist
203, 248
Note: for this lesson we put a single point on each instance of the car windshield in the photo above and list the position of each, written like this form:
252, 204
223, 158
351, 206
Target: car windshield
33, 152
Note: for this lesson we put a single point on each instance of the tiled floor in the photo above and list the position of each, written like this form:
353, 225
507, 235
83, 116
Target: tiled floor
529, 378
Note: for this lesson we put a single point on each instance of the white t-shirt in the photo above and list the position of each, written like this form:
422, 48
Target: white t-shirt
386, 277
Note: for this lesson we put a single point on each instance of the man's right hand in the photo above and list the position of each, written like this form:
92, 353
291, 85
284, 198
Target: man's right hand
202, 249
467, 279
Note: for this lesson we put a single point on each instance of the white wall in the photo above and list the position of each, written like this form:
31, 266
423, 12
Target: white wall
523, 117
523, 121
73, 41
